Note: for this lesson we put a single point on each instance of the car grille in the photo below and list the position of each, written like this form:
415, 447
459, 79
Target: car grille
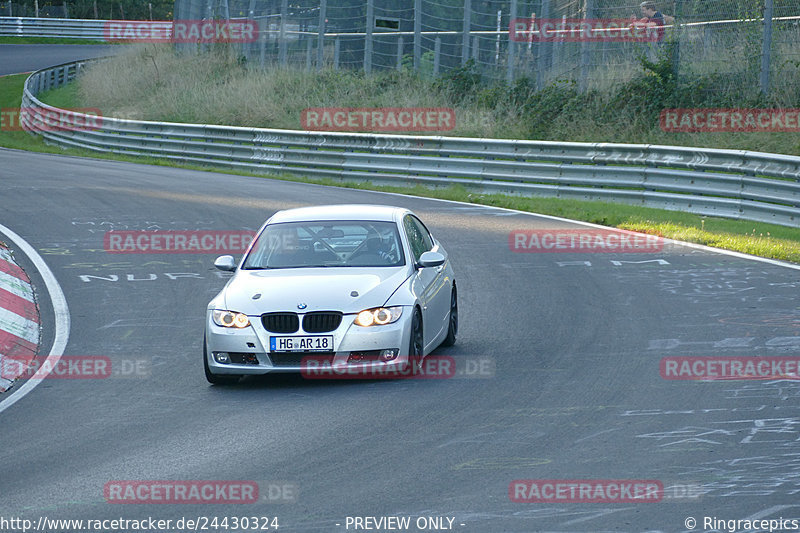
321, 321
295, 359
280, 322
314, 322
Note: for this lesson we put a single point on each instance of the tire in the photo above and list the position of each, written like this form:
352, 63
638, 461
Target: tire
216, 379
452, 328
416, 344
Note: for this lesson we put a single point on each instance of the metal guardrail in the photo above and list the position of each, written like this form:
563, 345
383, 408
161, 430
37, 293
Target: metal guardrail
63, 28
52, 27
727, 183
93, 28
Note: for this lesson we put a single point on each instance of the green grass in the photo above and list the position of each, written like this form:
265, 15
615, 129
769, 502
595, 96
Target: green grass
11, 98
64, 97
766, 240
48, 40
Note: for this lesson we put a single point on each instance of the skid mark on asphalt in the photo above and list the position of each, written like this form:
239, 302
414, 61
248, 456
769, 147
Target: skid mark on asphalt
501, 463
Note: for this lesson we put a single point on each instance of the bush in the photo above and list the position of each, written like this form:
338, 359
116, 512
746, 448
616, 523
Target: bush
461, 83
653, 91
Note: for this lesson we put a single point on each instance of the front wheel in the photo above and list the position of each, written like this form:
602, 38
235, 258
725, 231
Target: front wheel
216, 379
452, 328
416, 344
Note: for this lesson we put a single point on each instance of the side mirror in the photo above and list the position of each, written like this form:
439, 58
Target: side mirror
226, 263
431, 259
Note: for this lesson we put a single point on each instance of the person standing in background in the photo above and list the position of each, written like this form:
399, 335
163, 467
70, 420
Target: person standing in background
654, 19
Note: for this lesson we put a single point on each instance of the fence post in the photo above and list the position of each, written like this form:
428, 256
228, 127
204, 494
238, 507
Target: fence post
466, 31
475, 50
368, 37
766, 47
249, 48
558, 47
323, 7
497, 39
585, 51
543, 51
437, 49
530, 35
209, 15
263, 26
676, 33
512, 46
399, 52
337, 45
309, 48
282, 33
417, 33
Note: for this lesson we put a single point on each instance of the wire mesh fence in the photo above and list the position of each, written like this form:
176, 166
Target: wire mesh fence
752, 44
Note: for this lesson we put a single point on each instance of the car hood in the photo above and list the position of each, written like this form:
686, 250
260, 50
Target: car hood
320, 289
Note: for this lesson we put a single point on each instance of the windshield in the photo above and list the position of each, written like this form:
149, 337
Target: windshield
327, 244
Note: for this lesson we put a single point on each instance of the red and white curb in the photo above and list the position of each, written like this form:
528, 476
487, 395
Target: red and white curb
19, 319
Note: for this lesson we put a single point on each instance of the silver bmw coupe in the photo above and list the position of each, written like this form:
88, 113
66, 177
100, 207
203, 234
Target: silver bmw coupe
361, 288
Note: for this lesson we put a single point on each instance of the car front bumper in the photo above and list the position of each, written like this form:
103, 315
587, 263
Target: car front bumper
251, 344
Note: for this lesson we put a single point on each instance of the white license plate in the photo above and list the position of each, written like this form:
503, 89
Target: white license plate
307, 343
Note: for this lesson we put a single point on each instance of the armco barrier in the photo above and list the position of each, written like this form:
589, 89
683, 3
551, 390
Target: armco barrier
51, 27
728, 183
59, 28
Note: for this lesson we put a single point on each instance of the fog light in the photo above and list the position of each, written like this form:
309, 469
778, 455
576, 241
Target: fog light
221, 357
389, 355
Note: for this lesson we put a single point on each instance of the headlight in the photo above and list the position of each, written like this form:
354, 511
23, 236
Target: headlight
230, 319
378, 316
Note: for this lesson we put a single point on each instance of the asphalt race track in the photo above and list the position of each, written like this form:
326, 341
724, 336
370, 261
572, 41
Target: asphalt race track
574, 340
16, 58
